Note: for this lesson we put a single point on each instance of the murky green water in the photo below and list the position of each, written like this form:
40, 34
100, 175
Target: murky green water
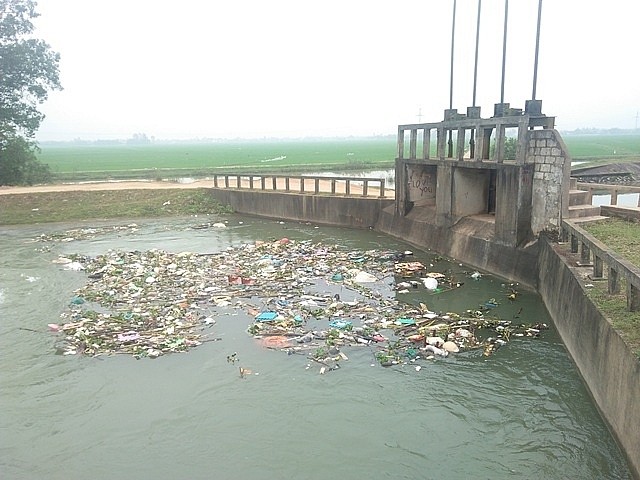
522, 413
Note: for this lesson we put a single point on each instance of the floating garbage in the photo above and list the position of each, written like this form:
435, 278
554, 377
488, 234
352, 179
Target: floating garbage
430, 283
152, 303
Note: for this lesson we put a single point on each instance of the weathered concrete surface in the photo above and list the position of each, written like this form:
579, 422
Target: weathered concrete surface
352, 212
609, 368
470, 240
631, 214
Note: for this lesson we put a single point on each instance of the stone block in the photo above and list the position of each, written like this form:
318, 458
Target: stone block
545, 151
541, 143
538, 176
556, 152
545, 134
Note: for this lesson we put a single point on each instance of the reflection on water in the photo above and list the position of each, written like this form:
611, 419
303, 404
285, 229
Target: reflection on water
522, 413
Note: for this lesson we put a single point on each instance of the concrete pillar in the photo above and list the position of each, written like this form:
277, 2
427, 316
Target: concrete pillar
426, 144
413, 141
614, 284
597, 266
444, 196
442, 143
499, 152
513, 203
460, 146
633, 298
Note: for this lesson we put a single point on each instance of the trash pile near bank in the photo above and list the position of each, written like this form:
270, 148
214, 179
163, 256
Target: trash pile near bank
152, 303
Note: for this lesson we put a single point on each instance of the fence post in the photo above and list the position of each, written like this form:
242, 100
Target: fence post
317, 182
274, 182
585, 253
614, 196
633, 298
382, 188
365, 187
614, 284
597, 266
574, 242
347, 187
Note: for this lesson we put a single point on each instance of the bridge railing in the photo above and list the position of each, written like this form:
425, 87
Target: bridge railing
596, 254
613, 190
348, 186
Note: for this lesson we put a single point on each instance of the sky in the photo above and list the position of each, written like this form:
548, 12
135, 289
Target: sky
292, 68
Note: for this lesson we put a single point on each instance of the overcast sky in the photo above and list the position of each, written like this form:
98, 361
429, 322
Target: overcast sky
285, 68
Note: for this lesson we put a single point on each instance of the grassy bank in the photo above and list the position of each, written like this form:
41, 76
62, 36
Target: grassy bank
32, 208
622, 237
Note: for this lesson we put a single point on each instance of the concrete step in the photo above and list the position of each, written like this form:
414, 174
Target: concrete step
578, 197
593, 218
576, 211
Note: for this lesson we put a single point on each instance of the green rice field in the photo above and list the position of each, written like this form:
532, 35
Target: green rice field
191, 159
197, 159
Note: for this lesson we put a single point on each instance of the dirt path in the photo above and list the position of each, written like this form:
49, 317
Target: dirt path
96, 186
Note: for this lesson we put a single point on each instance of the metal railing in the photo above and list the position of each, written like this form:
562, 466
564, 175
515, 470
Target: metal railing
596, 254
348, 186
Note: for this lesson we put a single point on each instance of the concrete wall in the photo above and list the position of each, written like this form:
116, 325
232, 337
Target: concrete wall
469, 241
353, 212
609, 368
470, 191
421, 187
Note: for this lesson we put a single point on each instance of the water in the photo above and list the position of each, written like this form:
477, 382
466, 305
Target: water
624, 200
522, 413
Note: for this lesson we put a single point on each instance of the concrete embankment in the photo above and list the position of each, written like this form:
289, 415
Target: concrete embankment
469, 241
352, 212
608, 367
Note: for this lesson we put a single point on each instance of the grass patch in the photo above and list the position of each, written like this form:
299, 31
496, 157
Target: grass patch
614, 308
20, 209
621, 236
